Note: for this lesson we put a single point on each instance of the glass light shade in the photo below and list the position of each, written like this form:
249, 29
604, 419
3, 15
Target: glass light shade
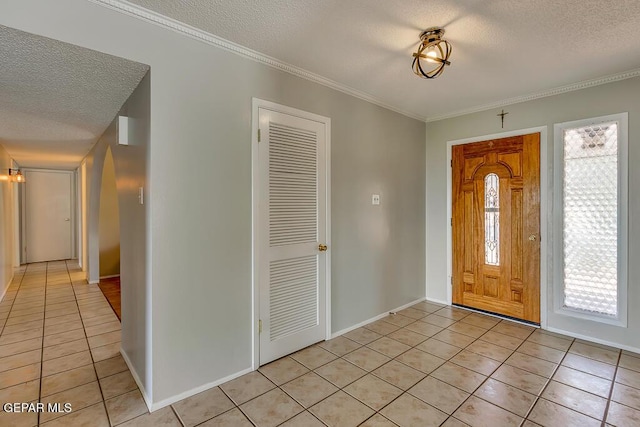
15, 175
432, 57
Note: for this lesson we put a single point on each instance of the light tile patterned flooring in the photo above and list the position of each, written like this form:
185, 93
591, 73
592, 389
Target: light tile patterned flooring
428, 365
60, 343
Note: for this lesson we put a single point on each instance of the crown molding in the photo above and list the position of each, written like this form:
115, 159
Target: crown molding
152, 17
556, 91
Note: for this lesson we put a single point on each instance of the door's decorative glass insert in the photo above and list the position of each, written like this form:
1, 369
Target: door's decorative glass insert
591, 218
492, 219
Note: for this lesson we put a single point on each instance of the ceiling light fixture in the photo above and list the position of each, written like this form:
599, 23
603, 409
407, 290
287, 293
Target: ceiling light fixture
434, 50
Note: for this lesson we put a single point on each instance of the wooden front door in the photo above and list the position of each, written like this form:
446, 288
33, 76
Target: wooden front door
496, 226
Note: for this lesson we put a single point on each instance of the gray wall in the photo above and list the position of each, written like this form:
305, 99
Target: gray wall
597, 101
130, 165
200, 191
201, 222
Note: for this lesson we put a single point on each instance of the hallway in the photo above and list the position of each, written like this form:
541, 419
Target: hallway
60, 343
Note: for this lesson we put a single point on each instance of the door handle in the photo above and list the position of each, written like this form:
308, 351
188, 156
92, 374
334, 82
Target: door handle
67, 219
322, 248
532, 238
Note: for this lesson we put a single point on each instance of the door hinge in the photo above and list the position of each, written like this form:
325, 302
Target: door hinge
451, 164
452, 280
260, 326
451, 222
258, 135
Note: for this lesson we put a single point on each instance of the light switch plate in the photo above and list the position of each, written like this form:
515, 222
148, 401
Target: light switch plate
375, 199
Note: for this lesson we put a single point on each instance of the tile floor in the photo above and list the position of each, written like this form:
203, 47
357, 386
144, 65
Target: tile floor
59, 343
428, 365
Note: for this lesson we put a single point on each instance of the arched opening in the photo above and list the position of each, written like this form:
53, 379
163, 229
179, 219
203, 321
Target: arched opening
109, 235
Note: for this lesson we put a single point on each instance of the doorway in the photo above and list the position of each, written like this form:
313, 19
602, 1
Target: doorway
109, 235
49, 218
291, 229
496, 226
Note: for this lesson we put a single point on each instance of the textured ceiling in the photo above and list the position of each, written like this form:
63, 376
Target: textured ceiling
502, 49
56, 99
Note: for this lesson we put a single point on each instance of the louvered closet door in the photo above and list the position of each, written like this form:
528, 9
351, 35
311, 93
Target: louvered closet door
293, 225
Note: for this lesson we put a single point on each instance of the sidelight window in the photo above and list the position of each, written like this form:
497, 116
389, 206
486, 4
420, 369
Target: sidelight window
593, 193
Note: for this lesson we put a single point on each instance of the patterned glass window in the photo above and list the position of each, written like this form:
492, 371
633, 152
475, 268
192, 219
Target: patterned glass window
492, 219
590, 218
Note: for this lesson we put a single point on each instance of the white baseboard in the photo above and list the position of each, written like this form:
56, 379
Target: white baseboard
136, 377
6, 287
373, 319
93, 282
170, 400
109, 277
437, 301
595, 340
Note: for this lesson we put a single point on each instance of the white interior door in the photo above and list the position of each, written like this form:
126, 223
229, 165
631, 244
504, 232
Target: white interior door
292, 262
48, 215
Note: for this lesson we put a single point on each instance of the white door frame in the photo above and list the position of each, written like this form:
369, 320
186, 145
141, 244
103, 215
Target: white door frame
546, 169
255, 219
72, 211
17, 221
